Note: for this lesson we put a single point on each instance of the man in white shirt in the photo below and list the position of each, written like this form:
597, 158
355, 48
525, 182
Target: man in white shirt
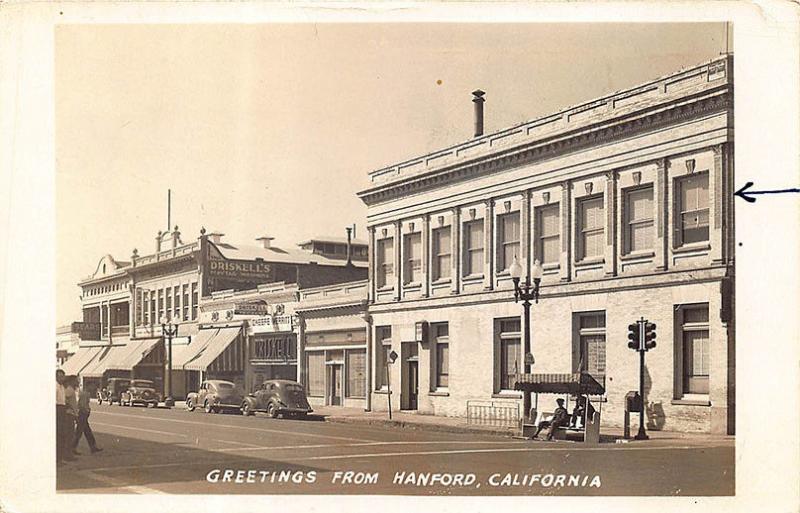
83, 428
63, 448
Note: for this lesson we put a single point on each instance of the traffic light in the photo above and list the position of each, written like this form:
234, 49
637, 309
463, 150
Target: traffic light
649, 335
633, 335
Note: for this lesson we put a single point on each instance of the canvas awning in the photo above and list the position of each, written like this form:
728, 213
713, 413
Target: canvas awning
80, 360
204, 354
120, 357
571, 383
99, 365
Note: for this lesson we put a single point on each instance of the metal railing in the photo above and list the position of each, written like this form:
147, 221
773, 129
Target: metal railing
493, 413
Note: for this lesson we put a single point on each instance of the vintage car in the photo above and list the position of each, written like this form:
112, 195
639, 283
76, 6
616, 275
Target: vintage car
278, 397
113, 390
141, 391
215, 395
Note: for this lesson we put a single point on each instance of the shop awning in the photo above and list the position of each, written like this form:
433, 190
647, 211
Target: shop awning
573, 383
98, 366
134, 352
215, 344
183, 354
80, 360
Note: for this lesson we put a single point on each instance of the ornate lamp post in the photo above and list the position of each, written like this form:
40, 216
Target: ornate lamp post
169, 330
526, 293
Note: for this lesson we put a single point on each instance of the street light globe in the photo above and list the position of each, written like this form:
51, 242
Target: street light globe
515, 270
537, 270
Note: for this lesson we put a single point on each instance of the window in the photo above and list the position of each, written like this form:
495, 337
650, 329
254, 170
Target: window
316, 373
639, 220
385, 259
441, 253
412, 257
185, 302
383, 341
160, 305
548, 234
168, 309
510, 352
441, 334
194, 300
356, 372
590, 228
592, 344
695, 344
692, 222
473, 248
507, 240
153, 319
176, 302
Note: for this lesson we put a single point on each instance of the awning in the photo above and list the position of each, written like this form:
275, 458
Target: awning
80, 360
183, 354
120, 357
205, 354
574, 383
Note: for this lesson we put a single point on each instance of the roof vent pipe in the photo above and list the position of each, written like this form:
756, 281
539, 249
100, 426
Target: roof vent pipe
478, 99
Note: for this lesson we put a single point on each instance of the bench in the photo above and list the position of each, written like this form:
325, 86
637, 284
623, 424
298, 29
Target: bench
589, 433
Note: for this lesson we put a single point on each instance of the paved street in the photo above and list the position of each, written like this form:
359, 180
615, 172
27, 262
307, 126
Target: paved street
176, 451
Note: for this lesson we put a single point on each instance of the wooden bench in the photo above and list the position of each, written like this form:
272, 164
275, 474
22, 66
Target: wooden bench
589, 433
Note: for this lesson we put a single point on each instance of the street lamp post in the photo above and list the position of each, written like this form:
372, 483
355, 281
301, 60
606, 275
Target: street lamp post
525, 293
169, 330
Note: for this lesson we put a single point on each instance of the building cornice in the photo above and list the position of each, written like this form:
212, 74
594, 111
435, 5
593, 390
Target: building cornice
528, 143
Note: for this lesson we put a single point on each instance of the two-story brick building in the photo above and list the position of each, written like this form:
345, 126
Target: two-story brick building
625, 200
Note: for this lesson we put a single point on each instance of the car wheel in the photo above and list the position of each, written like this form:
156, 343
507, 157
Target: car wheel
272, 410
207, 407
189, 405
246, 411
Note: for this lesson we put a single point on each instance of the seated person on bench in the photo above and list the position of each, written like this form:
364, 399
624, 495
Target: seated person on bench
560, 418
579, 413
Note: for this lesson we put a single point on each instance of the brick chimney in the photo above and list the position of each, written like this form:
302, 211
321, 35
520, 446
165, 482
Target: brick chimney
266, 241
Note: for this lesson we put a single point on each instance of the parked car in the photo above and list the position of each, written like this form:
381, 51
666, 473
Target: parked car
278, 397
141, 391
215, 395
113, 390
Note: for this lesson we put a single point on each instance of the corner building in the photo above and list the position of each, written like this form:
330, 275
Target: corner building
625, 200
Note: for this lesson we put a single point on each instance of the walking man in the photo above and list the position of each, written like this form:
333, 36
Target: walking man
62, 444
83, 428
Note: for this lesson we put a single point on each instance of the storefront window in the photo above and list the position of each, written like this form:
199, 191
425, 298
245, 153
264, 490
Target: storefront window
316, 373
356, 372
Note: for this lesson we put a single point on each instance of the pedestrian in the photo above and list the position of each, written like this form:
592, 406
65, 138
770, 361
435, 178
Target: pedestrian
83, 427
560, 418
70, 384
62, 443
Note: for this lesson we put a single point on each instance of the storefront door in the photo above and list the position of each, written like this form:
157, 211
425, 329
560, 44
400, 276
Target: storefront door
413, 384
335, 392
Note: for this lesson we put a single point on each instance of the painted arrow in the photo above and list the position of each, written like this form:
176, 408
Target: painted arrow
745, 194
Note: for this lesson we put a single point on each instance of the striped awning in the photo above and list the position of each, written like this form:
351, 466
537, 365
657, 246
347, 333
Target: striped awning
208, 345
571, 383
80, 360
120, 357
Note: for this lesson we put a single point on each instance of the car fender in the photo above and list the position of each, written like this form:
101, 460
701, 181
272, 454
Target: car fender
251, 401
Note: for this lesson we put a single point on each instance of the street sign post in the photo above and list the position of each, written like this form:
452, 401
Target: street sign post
392, 356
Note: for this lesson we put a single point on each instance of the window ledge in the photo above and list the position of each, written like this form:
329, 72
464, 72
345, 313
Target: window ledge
385, 288
637, 254
691, 402
697, 246
551, 267
590, 261
382, 391
503, 274
441, 281
414, 285
507, 394
472, 277
439, 393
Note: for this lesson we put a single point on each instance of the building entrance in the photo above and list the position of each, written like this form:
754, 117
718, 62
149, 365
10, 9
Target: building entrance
335, 385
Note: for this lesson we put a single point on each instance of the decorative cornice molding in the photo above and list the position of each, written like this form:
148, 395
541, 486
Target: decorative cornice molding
638, 122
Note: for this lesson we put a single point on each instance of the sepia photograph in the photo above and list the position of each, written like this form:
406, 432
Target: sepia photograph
346, 258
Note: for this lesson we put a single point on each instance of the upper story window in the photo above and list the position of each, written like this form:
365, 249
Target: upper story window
692, 215
548, 234
185, 302
441, 253
385, 262
412, 257
638, 216
473, 247
507, 240
590, 228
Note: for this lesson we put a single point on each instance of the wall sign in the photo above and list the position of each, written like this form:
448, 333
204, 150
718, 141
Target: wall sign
275, 349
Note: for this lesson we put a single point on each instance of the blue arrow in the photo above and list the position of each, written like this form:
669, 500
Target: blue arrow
745, 194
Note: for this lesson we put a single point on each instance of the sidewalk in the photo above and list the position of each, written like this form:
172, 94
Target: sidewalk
407, 420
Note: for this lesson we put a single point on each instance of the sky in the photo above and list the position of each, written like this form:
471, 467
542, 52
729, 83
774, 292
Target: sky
272, 129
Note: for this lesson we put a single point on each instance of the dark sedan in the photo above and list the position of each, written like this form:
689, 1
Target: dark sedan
278, 397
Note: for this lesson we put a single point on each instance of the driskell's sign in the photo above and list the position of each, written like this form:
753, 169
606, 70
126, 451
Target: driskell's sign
238, 269
275, 349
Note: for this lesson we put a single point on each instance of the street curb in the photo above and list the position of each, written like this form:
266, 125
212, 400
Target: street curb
422, 426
